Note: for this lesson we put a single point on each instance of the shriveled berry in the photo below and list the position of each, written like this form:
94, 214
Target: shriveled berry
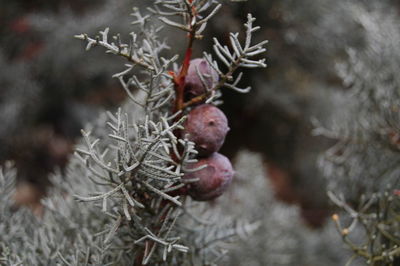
193, 83
213, 180
207, 127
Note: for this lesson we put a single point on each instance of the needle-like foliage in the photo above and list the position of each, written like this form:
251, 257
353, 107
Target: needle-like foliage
362, 166
128, 182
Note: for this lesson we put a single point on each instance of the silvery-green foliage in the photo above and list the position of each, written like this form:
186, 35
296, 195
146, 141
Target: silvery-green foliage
129, 166
65, 235
146, 52
365, 122
136, 184
362, 166
142, 167
75, 233
265, 231
281, 237
370, 230
274, 242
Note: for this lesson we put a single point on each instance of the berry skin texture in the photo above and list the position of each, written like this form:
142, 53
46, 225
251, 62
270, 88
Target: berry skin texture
193, 84
213, 180
206, 126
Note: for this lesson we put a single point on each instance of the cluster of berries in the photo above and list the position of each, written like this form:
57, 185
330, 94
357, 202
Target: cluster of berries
206, 126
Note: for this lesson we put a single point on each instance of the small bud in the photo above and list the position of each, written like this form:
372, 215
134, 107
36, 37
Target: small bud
213, 180
194, 86
335, 217
207, 127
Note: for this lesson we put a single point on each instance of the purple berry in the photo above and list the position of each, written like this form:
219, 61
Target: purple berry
207, 127
193, 84
213, 180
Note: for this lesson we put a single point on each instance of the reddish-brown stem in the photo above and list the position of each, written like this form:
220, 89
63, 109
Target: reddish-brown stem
180, 79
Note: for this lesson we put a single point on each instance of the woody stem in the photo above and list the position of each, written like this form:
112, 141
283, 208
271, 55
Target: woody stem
179, 80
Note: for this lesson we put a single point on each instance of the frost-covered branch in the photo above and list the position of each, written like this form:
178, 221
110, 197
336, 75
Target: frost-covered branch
232, 59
